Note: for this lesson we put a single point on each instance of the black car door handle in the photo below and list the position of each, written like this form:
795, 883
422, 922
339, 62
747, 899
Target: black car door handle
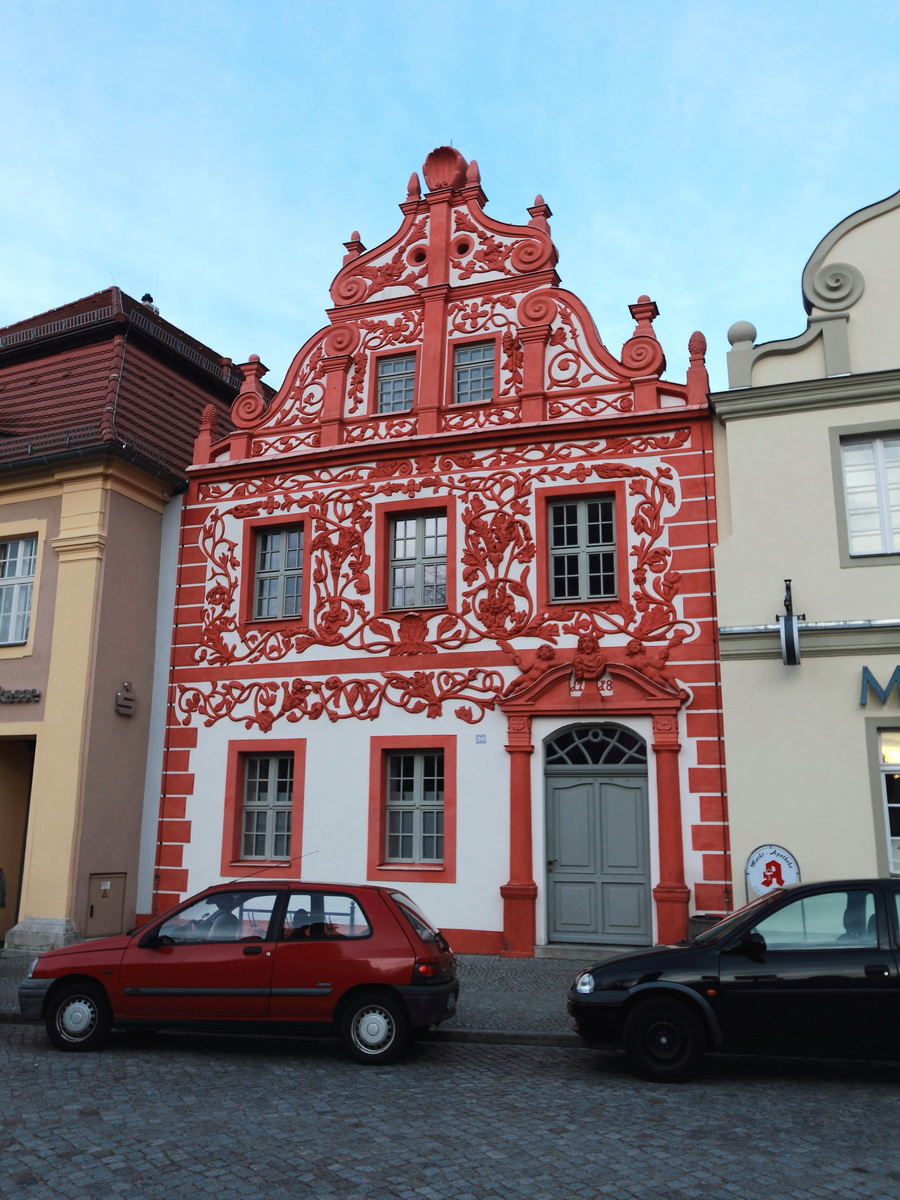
879, 970
253, 949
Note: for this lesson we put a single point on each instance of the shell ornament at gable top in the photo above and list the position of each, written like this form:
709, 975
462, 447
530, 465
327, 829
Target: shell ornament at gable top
445, 167
837, 285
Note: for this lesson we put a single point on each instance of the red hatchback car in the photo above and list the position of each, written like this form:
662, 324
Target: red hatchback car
280, 957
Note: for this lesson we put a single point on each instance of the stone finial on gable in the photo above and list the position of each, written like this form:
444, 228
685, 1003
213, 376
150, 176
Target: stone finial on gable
539, 212
250, 403
207, 434
354, 247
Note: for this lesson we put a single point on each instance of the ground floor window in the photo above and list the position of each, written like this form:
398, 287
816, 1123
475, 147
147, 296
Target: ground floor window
415, 807
268, 798
889, 756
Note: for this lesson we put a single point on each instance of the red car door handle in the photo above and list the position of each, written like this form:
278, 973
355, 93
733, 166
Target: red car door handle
253, 949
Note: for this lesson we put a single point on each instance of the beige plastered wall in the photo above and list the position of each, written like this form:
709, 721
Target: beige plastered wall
801, 772
88, 770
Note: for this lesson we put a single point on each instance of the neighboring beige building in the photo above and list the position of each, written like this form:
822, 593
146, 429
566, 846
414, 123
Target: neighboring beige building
100, 403
808, 468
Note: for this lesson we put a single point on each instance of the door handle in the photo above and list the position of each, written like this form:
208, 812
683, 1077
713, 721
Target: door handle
551, 863
879, 970
253, 949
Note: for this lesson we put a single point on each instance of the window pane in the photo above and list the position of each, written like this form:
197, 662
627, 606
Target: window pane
473, 373
395, 383
279, 573
578, 569
415, 798
419, 561
268, 800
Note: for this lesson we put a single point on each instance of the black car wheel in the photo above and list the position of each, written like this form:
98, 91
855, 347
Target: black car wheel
664, 1041
374, 1028
78, 1017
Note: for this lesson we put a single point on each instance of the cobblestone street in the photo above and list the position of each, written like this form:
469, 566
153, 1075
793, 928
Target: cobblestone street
170, 1116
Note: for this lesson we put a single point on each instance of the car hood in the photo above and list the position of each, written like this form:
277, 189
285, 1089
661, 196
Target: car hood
119, 942
651, 956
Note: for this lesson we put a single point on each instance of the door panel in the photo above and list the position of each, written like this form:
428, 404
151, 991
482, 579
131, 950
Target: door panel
598, 870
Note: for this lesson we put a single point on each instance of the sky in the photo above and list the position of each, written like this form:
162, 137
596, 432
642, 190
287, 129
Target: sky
217, 153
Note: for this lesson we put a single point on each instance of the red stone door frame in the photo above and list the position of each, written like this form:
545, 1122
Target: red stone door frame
553, 695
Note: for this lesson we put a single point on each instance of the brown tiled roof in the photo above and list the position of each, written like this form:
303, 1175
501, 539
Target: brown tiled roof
106, 371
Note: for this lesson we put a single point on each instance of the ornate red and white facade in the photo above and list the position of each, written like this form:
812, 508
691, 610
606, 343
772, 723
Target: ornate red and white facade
444, 613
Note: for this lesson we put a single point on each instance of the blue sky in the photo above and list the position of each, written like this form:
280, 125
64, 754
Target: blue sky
218, 154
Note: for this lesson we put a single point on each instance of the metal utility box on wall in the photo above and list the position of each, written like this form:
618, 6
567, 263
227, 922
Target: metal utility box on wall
106, 905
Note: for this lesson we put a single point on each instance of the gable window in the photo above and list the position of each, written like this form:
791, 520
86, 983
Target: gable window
419, 561
396, 379
583, 549
279, 572
268, 798
18, 558
473, 373
871, 468
415, 807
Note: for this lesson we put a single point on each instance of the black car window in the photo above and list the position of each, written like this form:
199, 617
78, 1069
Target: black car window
327, 916
841, 919
723, 928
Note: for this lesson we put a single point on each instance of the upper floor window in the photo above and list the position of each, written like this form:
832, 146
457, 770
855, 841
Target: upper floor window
18, 559
473, 372
419, 561
583, 549
415, 807
268, 799
396, 378
872, 491
279, 572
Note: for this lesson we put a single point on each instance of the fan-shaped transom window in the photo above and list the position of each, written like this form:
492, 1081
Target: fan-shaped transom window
596, 746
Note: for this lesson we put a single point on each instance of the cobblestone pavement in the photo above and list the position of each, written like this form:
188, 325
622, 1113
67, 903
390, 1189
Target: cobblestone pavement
172, 1116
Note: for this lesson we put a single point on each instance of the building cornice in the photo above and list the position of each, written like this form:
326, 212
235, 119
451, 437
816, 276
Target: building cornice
817, 640
806, 395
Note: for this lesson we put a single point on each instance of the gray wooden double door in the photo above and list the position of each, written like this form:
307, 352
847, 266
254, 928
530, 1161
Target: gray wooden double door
598, 869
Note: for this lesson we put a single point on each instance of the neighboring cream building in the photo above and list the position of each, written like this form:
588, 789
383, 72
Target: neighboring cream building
808, 470
100, 402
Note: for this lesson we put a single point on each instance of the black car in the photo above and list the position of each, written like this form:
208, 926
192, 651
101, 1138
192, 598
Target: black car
808, 970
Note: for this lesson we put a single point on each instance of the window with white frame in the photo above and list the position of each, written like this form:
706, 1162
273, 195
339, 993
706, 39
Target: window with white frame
267, 806
889, 758
415, 806
396, 381
871, 467
583, 549
473, 372
419, 561
18, 559
279, 572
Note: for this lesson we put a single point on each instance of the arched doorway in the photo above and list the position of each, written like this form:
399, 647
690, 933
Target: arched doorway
598, 846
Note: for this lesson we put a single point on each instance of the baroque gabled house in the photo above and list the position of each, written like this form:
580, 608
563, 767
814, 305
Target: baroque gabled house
444, 612
99, 405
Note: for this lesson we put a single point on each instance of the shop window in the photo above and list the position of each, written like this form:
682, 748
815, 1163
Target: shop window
889, 759
278, 585
871, 476
268, 804
18, 559
473, 372
396, 380
582, 537
418, 561
415, 807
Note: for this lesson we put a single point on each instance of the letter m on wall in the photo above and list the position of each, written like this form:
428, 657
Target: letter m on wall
869, 681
